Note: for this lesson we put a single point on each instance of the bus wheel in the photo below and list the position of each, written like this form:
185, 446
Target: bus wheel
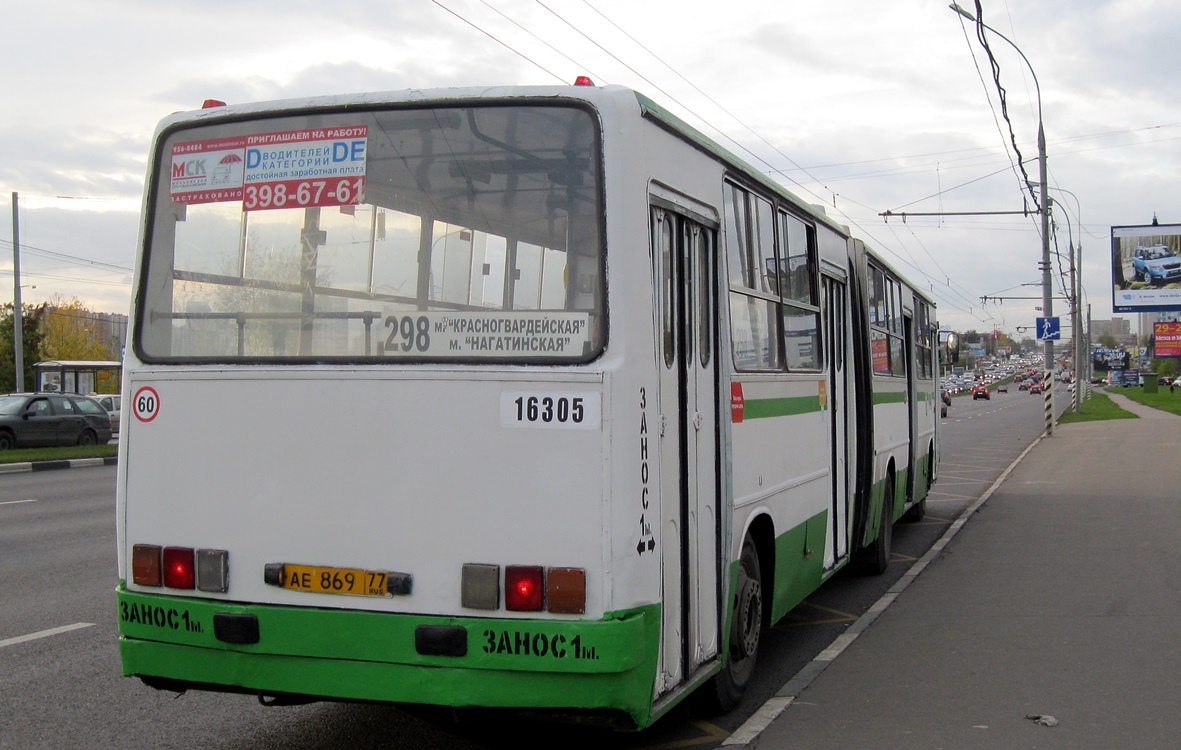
746, 625
877, 555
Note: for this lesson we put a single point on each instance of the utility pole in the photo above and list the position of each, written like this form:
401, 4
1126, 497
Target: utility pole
18, 331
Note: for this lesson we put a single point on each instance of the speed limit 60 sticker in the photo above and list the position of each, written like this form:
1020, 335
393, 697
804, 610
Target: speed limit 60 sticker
146, 404
575, 410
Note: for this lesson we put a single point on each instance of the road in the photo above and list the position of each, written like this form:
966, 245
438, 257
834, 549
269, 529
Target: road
64, 688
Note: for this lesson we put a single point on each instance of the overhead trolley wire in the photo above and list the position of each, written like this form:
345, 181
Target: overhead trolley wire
499, 41
772, 169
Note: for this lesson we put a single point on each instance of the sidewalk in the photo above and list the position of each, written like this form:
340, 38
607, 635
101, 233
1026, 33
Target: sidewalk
1060, 597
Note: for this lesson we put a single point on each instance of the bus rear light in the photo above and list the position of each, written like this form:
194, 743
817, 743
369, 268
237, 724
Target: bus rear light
145, 565
524, 588
480, 586
565, 591
213, 570
178, 568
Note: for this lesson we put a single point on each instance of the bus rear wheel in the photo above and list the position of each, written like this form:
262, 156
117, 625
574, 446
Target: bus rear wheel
746, 627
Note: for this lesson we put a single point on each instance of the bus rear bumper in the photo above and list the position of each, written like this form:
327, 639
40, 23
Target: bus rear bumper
338, 654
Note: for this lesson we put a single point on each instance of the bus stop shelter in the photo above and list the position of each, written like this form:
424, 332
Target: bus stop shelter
74, 376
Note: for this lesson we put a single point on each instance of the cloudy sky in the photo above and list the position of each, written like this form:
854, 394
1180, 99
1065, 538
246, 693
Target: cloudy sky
861, 105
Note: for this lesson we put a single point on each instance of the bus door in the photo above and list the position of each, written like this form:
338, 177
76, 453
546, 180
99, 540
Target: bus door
912, 407
835, 343
684, 253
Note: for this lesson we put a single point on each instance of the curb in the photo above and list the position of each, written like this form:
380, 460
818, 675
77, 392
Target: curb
747, 735
71, 463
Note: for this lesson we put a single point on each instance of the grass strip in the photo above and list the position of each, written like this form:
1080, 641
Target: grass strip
21, 455
1094, 409
1162, 399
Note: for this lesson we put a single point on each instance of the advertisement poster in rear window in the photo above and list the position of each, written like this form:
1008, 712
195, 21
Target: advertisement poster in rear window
1146, 268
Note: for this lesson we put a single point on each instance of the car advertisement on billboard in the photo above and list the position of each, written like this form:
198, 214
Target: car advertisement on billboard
1146, 268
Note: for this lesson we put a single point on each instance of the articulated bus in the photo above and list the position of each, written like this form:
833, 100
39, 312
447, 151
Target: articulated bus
530, 398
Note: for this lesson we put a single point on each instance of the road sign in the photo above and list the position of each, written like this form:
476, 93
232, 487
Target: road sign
1049, 329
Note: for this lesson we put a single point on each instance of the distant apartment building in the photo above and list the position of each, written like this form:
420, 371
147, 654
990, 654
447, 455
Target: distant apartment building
1120, 328
110, 329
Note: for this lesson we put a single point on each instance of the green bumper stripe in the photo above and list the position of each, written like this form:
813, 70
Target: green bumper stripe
335, 653
761, 408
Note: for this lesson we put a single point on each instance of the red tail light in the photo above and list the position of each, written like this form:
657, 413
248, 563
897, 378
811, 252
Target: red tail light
524, 588
583, 81
178, 568
211, 103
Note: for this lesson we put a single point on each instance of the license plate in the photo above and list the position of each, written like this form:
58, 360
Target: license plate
322, 580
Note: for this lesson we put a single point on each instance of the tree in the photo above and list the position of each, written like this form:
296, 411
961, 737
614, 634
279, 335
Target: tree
32, 318
71, 332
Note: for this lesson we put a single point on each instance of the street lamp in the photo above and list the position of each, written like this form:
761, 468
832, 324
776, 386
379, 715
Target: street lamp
1044, 209
1081, 375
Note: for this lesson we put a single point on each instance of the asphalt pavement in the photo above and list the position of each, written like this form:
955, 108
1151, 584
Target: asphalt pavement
1048, 617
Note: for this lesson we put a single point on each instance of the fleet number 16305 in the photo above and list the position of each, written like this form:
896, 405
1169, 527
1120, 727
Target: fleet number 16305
550, 410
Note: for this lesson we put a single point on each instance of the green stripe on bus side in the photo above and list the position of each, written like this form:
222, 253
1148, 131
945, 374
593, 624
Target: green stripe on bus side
889, 397
762, 408
350, 654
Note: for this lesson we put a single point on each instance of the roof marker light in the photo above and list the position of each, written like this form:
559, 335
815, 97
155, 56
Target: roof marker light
211, 103
583, 81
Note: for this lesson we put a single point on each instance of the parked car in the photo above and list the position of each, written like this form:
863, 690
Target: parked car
1156, 265
38, 419
980, 391
111, 403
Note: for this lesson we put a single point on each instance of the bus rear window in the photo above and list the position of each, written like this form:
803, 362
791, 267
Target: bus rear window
457, 234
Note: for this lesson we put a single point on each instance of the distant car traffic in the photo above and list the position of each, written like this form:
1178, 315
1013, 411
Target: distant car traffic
980, 391
1156, 264
39, 419
1035, 388
1002, 388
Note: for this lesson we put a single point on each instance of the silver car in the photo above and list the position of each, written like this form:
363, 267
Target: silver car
112, 405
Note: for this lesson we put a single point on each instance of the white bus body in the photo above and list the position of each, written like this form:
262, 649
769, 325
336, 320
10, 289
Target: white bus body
534, 400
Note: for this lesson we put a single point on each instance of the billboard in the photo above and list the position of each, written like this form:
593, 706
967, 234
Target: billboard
1110, 359
1168, 339
1146, 268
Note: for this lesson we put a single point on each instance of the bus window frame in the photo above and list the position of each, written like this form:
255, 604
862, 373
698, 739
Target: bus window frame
155, 191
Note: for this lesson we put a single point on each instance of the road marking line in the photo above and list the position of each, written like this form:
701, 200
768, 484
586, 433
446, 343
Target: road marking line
760, 721
14, 502
45, 633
